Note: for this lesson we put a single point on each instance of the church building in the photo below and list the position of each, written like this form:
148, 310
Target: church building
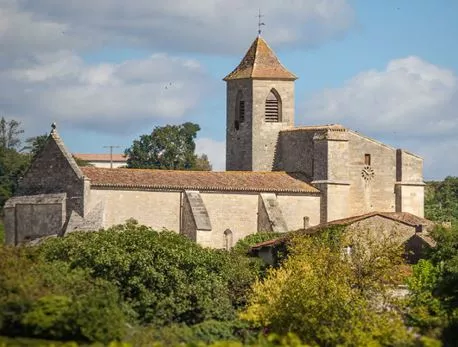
278, 177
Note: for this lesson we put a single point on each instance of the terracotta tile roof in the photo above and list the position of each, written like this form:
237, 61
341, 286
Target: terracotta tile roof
401, 217
260, 62
100, 157
197, 180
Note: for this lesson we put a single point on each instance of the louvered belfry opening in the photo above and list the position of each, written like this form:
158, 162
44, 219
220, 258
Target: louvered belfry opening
242, 111
273, 108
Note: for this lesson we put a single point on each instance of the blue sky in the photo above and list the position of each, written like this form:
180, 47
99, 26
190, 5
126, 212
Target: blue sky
99, 69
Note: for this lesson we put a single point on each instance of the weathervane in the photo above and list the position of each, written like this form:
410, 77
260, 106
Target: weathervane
259, 22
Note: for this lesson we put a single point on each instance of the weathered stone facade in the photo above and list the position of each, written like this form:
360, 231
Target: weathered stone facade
279, 177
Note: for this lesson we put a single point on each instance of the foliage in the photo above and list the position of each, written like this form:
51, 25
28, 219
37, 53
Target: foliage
243, 245
81, 162
320, 294
425, 311
441, 200
2, 233
202, 163
9, 133
168, 147
35, 144
202, 333
52, 301
164, 277
12, 167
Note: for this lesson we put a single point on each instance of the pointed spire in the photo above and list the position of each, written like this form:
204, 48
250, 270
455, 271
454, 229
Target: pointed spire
260, 62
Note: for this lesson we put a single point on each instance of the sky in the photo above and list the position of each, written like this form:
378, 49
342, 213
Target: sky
108, 71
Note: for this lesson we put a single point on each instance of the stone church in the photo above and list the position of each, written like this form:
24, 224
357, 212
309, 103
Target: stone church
279, 177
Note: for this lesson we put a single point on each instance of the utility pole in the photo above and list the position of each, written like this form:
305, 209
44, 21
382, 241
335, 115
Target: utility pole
111, 154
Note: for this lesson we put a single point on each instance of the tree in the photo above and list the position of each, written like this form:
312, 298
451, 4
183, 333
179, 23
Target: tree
9, 131
318, 294
163, 276
169, 147
202, 163
35, 144
441, 200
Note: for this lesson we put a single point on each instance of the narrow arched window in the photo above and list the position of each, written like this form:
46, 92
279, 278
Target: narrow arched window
227, 239
273, 107
239, 110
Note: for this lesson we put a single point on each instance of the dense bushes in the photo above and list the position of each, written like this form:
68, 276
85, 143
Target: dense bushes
90, 286
163, 277
53, 301
331, 298
433, 303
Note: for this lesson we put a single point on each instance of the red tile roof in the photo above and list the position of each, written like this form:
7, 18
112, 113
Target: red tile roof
260, 62
101, 157
198, 180
401, 217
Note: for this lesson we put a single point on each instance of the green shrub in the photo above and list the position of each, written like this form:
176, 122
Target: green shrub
164, 277
243, 245
53, 301
2, 233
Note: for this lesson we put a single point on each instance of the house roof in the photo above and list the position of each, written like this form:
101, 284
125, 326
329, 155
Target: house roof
400, 217
198, 180
101, 157
260, 62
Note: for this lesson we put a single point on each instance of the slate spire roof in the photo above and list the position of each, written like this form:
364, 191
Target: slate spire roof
260, 62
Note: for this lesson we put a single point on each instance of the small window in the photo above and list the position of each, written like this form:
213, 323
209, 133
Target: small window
227, 239
239, 110
273, 107
367, 159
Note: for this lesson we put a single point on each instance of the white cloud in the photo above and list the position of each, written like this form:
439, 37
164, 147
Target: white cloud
411, 102
109, 97
210, 26
216, 151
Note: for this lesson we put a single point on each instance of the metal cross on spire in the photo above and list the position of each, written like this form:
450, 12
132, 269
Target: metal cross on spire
259, 22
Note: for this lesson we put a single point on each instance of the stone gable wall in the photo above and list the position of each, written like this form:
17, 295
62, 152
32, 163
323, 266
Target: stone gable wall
52, 173
378, 193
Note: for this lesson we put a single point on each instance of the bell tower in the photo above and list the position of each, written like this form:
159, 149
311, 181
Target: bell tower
259, 104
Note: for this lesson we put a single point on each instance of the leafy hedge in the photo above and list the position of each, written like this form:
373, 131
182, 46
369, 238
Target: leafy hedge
163, 277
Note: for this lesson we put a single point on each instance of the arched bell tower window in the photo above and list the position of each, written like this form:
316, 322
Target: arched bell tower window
227, 239
239, 110
273, 107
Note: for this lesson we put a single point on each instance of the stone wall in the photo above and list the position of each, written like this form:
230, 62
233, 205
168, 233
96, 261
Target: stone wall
252, 147
381, 228
239, 141
55, 171
30, 217
234, 211
296, 207
409, 183
158, 209
187, 225
294, 152
265, 135
270, 215
372, 193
